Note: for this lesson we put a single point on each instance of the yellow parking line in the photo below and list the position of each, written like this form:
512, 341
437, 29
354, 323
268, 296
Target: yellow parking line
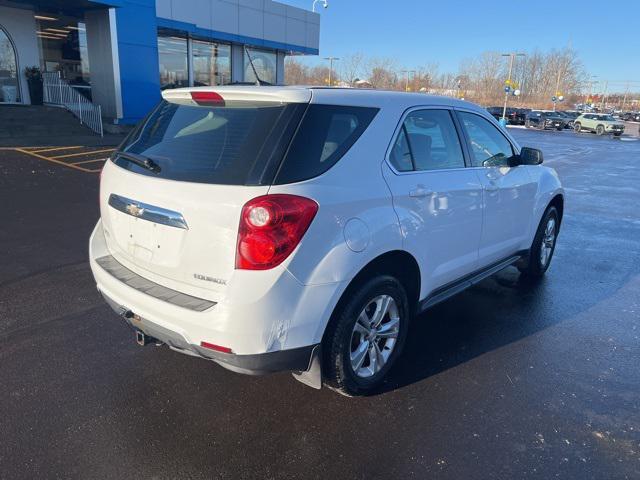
42, 157
54, 149
89, 161
15, 148
84, 153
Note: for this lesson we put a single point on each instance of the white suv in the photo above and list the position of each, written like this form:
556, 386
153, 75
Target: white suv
300, 229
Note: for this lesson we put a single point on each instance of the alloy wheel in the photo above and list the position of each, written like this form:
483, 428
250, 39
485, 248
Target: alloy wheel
548, 242
374, 336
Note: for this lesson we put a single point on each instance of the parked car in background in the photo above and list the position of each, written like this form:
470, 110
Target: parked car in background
514, 116
521, 115
544, 119
496, 112
569, 117
301, 229
630, 117
599, 123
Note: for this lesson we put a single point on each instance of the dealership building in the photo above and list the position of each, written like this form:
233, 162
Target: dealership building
120, 54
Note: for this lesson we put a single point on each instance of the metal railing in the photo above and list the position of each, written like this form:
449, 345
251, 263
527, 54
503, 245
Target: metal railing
57, 91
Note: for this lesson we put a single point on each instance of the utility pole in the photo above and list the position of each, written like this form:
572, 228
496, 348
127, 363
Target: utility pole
591, 83
407, 72
506, 92
624, 99
604, 95
331, 60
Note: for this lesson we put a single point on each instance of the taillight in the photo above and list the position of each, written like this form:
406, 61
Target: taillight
271, 226
211, 99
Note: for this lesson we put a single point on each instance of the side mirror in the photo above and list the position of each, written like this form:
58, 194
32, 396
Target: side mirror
530, 156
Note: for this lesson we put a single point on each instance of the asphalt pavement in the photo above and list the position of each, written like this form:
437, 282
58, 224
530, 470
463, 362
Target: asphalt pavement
504, 381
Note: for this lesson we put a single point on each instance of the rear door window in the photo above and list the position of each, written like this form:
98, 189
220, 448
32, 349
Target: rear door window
428, 140
325, 134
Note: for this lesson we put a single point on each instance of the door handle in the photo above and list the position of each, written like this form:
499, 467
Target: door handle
420, 192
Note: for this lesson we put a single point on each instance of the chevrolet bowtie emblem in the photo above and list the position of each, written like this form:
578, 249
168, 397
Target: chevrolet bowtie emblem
135, 210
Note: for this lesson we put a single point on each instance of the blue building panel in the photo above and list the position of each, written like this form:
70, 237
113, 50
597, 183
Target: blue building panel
138, 53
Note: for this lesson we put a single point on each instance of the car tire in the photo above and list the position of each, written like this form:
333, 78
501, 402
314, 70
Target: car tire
617, 134
600, 130
577, 127
559, 128
543, 246
353, 351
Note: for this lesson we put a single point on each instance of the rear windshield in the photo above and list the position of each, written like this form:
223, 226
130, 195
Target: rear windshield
232, 144
243, 143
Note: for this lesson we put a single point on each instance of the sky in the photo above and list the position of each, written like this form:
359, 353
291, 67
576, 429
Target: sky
606, 34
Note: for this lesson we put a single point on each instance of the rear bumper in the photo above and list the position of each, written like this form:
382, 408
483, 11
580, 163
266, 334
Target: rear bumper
269, 326
297, 359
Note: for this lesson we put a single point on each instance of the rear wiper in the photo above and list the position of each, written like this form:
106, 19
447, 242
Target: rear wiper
139, 160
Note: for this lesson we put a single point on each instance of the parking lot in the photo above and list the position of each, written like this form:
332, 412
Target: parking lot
498, 382
77, 157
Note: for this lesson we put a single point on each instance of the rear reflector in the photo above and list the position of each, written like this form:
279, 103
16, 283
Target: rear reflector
217, 348
207, 98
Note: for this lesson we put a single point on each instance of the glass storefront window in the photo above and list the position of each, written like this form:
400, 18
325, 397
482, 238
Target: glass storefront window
265, 63
63, 48
9, 89
211, 63
174, 64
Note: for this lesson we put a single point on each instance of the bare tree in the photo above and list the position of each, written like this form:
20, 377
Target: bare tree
351, 67
381, 73
295, 73
539, 76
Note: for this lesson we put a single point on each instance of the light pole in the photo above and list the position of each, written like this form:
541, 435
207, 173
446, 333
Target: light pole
459, 87
604, 95
325, 4
591, 83
408, 72
557, 94
508, 87
331, 60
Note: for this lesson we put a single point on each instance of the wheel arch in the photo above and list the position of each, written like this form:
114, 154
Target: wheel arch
558, 202
397, 263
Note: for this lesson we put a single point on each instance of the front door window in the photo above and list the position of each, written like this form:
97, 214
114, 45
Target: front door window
9, 88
